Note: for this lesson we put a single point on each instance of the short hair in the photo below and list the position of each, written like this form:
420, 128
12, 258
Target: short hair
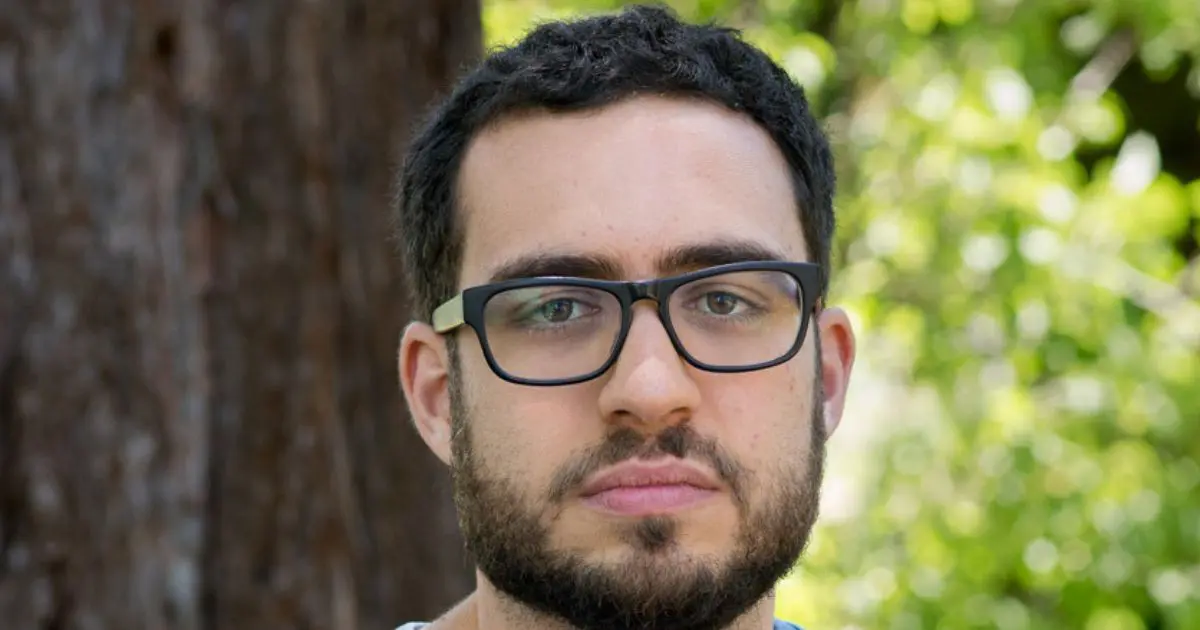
588, 63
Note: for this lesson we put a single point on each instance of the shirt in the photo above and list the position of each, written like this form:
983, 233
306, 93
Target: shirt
779, 625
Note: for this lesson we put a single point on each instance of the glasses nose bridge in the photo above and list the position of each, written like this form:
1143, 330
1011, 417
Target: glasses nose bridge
646, 290
656, 291
652, 290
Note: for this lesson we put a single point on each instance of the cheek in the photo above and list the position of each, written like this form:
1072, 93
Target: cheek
529, 433
764, 416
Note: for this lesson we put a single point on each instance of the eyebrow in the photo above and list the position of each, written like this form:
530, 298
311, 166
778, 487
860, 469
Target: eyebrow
721, 252
560, 265
675, 260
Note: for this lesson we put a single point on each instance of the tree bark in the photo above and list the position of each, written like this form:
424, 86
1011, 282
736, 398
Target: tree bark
200, 423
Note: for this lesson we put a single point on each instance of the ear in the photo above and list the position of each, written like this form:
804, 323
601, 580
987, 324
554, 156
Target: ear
425, 379
837, 360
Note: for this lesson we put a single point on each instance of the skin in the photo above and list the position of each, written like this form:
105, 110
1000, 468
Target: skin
629, 183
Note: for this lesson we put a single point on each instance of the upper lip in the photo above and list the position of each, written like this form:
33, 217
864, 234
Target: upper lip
634, 474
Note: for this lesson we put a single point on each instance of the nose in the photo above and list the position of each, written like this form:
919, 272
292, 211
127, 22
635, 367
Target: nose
650, 387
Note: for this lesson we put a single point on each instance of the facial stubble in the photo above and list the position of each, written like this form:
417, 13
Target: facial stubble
662, 587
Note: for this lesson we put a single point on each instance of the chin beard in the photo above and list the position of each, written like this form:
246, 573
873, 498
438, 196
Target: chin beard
658, 584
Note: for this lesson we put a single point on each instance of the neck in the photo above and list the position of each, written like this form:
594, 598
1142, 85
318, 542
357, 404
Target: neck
491, 610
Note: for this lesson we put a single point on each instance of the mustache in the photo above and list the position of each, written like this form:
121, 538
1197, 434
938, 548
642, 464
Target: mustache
680, 441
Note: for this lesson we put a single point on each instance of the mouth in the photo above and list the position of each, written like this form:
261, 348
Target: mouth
644, 489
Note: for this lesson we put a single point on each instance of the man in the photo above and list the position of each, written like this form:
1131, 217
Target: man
618, 233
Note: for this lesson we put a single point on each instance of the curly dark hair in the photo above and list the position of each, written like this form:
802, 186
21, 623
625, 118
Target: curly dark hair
589, 63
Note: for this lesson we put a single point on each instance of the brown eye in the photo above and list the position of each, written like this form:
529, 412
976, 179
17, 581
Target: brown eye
720, 303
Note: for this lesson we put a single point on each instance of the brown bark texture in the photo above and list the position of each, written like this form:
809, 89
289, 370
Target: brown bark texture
200, 424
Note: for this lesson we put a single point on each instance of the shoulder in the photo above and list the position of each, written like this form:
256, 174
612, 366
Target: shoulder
783, 625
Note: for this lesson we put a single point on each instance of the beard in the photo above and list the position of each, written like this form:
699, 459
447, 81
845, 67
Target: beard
660, 586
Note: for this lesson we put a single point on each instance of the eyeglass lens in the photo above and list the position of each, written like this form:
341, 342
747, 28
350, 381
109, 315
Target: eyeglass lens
550, 332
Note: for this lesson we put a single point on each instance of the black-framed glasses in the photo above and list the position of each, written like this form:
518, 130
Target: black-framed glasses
736, 317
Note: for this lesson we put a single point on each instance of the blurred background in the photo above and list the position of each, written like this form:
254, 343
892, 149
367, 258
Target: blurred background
200, 425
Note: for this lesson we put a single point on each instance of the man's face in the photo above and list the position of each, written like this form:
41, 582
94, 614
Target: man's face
633, 185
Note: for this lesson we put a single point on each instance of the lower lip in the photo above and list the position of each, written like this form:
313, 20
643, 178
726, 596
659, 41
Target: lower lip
645, 500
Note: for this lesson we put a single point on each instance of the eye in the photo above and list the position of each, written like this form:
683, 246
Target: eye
721, 303
557, 311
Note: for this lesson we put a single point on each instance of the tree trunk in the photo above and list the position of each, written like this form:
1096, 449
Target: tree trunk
200, 423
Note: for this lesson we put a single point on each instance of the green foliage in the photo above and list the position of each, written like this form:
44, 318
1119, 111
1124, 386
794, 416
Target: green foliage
1019, 216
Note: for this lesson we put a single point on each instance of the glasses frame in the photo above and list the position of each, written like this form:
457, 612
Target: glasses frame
467, 308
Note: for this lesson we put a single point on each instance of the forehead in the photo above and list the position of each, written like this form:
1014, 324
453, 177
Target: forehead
630, 184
